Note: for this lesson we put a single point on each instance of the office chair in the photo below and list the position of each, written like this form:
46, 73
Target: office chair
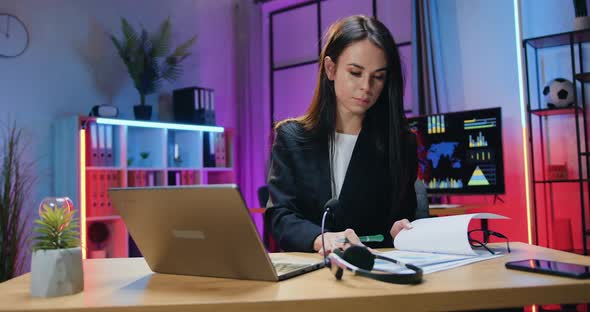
270, 244
263, 196
421, 200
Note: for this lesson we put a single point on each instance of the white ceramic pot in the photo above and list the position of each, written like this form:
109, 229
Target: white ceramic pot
56, 272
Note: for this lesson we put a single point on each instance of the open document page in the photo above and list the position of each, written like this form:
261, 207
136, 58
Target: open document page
436, 244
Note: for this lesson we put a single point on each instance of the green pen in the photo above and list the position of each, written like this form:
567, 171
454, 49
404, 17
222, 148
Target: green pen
364, 239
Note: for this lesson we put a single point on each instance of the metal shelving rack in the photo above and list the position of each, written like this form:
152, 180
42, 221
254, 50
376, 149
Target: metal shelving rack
574, 40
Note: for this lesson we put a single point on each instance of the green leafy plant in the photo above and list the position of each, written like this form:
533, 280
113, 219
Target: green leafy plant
148, 58
144, 155
16, 182
57, 228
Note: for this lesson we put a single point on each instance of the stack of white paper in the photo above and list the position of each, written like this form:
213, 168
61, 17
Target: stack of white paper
436, 244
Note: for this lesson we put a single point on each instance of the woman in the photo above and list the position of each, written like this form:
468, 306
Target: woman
352, 144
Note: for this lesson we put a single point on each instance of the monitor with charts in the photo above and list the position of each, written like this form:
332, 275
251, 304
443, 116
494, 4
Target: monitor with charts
460, 152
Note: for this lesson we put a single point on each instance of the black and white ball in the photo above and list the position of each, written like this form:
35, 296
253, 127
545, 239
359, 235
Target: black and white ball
559, 92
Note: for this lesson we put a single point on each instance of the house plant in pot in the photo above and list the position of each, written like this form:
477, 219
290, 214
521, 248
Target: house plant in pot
17, 179
149, 60
56, 264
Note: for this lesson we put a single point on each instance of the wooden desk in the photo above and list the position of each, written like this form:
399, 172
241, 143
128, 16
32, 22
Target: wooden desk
128, 285
463, 209
448, 211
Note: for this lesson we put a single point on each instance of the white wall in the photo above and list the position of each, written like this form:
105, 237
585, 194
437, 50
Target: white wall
71, 65
478, 44
479, 58
546, 17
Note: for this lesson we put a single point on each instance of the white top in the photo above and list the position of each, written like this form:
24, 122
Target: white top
343, 147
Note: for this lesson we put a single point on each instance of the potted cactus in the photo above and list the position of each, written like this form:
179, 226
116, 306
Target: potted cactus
56, 264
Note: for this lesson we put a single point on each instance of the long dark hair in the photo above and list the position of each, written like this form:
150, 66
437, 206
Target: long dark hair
385, 119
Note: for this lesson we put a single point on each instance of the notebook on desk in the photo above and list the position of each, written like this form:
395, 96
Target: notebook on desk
203, 230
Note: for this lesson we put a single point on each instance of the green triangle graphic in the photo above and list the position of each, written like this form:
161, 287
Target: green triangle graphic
477, 178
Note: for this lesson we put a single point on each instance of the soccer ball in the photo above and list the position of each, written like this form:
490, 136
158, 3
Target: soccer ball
559, 92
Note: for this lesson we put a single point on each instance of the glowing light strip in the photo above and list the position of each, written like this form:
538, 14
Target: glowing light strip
158, 125
518, 31
83, 192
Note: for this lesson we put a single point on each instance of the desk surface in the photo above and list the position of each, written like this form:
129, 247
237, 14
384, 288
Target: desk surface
127, 284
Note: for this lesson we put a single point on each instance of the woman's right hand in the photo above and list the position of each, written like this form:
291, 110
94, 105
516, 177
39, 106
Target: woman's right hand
335, 240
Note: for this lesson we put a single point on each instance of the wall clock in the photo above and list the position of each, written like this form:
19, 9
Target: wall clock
14, 36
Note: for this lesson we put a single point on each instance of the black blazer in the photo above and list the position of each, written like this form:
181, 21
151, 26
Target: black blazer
299, 186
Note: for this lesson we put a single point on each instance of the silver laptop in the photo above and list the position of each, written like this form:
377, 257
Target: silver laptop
203, 230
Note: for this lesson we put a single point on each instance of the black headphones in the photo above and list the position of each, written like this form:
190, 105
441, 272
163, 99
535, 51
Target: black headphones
360, 260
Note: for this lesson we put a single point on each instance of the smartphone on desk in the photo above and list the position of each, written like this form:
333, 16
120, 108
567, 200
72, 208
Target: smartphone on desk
551, 267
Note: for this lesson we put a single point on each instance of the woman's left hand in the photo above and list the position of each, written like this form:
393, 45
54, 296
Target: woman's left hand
398, 226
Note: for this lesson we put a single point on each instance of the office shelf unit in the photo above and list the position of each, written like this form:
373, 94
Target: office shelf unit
538, 52
94, 154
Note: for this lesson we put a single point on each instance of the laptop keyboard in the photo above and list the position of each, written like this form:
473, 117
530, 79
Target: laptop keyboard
285, 267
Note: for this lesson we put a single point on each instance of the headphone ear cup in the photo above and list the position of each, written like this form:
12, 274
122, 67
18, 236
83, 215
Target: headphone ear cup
360, 257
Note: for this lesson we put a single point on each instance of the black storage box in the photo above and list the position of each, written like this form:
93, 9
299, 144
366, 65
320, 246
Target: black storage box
194, 105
